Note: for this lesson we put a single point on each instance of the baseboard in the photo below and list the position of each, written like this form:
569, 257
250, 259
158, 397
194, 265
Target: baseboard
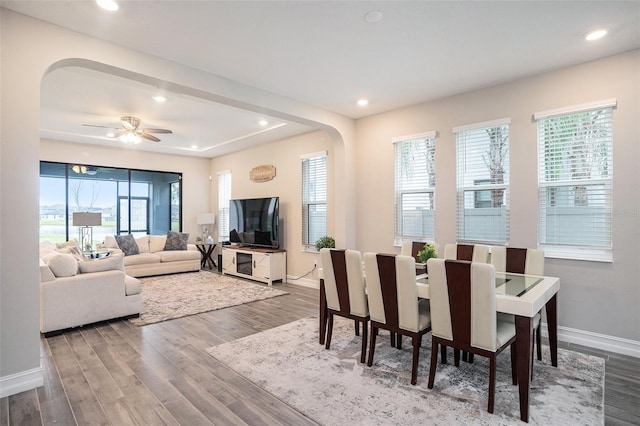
21, 382
304, 282
598, 341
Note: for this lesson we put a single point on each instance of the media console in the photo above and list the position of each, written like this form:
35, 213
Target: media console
260, 264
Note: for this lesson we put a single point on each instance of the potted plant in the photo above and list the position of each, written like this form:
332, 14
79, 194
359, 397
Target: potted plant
325, 242
427, 253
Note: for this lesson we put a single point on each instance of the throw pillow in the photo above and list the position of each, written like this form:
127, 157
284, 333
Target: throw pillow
157, 242
234, 237
110, 241
63, 265
68, 244
115, 262
127, 244
73, 251
143, 244
176, 241
263, 238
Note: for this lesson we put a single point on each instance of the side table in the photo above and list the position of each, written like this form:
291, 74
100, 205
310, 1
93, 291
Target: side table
206, 250
97, 254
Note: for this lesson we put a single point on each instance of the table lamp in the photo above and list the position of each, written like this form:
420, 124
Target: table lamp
205, 219
85, 221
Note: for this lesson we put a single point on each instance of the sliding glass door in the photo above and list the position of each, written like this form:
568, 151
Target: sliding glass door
130, 201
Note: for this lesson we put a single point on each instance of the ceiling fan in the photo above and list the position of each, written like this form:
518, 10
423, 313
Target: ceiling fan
131, 131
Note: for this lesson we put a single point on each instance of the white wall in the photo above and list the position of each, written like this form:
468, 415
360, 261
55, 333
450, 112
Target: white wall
596, 297
196, 187
29, 49
285, 156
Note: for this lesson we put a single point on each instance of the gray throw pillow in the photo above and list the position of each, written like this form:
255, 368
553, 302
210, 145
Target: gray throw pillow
176, 241
127, 244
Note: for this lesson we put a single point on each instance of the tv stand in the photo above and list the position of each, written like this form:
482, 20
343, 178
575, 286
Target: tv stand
260, 264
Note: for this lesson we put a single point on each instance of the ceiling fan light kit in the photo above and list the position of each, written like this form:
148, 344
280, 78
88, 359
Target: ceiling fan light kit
130, 137
82, 170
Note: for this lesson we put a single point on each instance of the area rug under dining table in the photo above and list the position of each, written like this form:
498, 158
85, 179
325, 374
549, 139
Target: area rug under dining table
173, 296
333, 388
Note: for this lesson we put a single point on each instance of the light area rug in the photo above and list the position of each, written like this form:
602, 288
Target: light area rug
173, 296
333, 388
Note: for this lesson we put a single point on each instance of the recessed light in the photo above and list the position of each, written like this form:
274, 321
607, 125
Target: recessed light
159, 98
595, 35
263, 122
109, 5
373, 16
194, 146
111, 135
363, 102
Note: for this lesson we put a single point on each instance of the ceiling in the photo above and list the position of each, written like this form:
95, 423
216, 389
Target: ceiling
323, 53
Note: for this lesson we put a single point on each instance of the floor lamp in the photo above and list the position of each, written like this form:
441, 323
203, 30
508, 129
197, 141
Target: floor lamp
85, 221
206, 219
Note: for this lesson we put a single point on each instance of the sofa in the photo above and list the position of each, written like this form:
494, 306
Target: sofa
154, 254
75, 292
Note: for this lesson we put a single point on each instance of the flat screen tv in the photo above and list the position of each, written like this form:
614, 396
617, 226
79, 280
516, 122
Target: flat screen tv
254, 222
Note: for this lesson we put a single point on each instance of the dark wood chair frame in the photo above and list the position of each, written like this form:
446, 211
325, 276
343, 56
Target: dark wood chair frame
387, 273
338, 259
459, 284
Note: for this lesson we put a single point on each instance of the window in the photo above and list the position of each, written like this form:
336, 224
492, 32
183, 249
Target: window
143, 199
314, 198
415, 183
174, 190
482, 164
224, 195
575, 181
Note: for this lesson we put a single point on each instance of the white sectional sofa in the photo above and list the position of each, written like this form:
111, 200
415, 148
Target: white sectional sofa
153, 259
74, 293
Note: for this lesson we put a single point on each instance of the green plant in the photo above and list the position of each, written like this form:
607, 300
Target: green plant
198, 239
325, 241
427, 253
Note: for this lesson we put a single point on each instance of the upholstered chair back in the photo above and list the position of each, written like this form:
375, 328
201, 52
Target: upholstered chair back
463, 302
344, 281
392, 291
471, 253
518, 260
411, 248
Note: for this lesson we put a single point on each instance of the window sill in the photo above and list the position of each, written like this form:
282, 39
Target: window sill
603, 256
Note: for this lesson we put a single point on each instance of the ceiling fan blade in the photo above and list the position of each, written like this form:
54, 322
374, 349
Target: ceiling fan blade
102, 127
150, 137
157, 131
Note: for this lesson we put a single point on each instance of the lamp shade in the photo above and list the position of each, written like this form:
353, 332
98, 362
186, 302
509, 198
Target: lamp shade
87, 219
206, 219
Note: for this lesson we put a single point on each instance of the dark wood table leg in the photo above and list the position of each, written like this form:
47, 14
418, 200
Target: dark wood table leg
323, 312
524, 346
552, 328
209, 259
203, 255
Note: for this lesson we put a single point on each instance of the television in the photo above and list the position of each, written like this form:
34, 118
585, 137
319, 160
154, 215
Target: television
254, 222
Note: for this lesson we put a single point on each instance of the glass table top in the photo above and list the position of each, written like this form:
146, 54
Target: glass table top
506, 284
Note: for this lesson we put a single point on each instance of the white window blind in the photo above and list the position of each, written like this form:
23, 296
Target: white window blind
224, 195
575, 183
314, 199
482, 164
415, 184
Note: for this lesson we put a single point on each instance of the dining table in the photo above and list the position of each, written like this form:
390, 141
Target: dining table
523, 296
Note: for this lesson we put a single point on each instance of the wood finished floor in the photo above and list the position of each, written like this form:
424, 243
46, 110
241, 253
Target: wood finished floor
119, 374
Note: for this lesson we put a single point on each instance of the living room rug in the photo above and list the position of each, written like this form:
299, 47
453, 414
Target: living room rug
333, 388
173, 296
